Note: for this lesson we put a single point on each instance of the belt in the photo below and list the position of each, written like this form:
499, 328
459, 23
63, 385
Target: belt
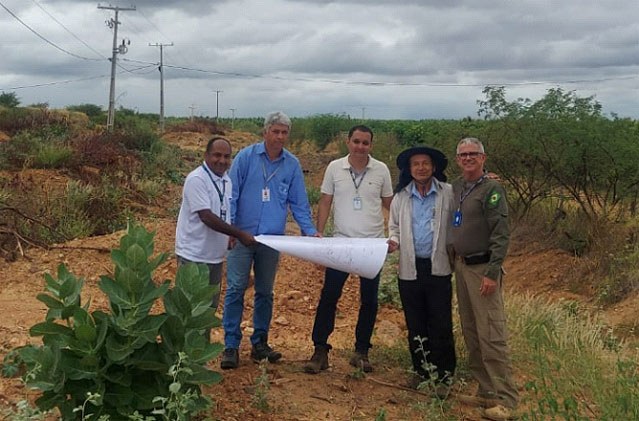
476, 259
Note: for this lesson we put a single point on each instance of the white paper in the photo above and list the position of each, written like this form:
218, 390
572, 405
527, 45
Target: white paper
361, 256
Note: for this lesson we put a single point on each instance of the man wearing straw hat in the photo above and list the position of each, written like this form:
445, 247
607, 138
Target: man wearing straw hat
420, 218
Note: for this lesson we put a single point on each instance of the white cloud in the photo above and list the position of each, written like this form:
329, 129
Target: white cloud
383, 58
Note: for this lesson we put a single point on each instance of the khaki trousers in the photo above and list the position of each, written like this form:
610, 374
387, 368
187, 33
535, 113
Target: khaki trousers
483, 323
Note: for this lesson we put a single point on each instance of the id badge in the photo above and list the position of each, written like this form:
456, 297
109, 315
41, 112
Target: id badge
223, 214
457, 218
357, 203
266, 194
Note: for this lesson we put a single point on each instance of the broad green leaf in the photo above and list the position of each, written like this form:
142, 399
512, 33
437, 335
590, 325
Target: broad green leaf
136, 256
176, 304
50, 302
118, 348
117, 294
172, 332
50, 328
205, 320
85, 333
130, 280
202, 375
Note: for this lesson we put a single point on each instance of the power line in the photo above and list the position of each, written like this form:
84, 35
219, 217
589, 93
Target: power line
67, 29
62, 82
45, 39
373, 83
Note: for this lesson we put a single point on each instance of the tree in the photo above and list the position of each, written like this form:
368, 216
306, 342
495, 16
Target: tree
9, 99
563, 144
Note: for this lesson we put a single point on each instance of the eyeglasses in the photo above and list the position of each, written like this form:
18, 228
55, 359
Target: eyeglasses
469, 154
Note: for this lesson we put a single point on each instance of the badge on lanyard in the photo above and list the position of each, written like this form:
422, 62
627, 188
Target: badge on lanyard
457, 218
266, 194
223, 213
357, 203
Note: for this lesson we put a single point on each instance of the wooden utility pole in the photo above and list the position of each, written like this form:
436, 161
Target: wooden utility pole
161, 69
122, 49
217, 105
232, 118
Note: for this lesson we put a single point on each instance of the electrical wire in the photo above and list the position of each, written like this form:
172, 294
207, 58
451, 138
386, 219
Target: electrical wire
68, 30
45, 39
62, 82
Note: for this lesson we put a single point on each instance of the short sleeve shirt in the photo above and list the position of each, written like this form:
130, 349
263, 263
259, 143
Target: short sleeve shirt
368, 220
193, 239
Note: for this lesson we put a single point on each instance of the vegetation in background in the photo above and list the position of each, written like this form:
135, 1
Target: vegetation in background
9, 99
128, 359
575, 368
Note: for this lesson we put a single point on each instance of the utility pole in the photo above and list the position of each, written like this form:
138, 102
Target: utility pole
363, 113
122, 49
161, 69
192, 107
217, 105
232, 118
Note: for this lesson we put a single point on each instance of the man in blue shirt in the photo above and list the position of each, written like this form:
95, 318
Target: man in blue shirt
267, 181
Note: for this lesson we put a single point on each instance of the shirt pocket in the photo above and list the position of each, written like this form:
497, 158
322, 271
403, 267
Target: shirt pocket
282, 192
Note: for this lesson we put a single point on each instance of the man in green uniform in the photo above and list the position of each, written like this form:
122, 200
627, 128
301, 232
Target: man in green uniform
480, 237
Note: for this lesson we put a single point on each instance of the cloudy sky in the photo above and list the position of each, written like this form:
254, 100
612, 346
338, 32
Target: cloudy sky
374, 58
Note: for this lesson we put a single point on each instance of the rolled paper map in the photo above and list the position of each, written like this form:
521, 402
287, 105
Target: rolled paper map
361, 256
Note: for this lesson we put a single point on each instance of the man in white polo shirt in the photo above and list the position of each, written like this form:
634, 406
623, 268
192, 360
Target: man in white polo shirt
203, 226
357, 186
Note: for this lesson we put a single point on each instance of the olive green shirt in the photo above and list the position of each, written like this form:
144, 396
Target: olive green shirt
484, 222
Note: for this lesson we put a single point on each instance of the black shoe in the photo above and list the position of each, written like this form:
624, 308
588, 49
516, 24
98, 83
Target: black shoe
261, 351
230, 359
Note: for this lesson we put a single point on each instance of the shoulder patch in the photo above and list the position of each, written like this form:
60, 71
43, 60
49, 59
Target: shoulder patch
494, 198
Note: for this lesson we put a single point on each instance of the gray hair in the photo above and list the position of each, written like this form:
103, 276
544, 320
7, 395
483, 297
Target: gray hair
471, 141
276, 117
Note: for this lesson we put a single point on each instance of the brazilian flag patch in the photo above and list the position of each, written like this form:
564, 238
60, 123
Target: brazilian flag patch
494, 199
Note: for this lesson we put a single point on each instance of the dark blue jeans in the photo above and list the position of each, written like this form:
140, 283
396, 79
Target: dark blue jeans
325, 316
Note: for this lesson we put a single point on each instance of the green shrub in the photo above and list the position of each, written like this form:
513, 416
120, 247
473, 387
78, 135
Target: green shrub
388, 284
53, 155
127, 360
19, 152
314, 194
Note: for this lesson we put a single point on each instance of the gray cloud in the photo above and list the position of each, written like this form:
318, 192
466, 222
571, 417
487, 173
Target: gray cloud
289, 54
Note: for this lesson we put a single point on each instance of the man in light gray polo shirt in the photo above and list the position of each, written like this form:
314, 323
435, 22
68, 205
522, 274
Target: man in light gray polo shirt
357, 186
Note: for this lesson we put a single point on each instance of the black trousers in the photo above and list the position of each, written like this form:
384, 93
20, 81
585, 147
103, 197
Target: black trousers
326, 309
428, 312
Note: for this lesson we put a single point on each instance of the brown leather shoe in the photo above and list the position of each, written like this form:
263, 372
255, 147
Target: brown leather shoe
360, 360
318, 362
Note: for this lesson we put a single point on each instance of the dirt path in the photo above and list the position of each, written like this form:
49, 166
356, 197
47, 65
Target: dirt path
337, 394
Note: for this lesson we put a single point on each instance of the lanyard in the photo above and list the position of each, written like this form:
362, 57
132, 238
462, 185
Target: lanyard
269, 177
463, 196
354, 178
220, 193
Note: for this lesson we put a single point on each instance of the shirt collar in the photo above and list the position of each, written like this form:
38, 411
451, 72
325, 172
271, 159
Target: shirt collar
415, 192
261, 150
215, 176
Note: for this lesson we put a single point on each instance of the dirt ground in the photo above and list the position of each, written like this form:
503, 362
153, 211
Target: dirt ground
336, 394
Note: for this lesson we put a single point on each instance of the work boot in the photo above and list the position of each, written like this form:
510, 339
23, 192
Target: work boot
261, 351
360, 360
230, 359
476, 400
318, 362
